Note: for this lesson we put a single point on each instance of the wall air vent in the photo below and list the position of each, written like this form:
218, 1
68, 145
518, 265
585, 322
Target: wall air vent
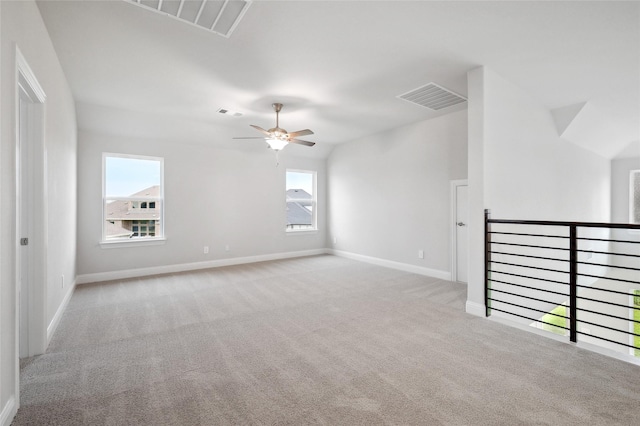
218, 16
433, 97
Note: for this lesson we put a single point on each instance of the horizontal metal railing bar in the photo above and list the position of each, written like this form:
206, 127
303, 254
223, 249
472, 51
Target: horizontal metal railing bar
531, 257
609, 328
608, 315
529, 287
530, 298
608, 240
563, 237
529, 235
578, 224
530, 246
529, 318
608, 278
609, 253
610, 303
530, 267
519, 306
610, 266
527, 276
609, 340
605, 290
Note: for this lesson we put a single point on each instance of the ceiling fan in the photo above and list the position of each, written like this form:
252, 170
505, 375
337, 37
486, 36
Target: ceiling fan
277, 137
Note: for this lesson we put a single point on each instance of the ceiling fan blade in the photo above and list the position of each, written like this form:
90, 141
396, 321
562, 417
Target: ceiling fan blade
304, 132
301, 142
260, 129
250, 137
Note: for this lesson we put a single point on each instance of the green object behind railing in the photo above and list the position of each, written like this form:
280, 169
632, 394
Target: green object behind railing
554, 323
636, 317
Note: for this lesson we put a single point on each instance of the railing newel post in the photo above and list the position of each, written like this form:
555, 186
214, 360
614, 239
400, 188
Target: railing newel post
487, 260
573, 283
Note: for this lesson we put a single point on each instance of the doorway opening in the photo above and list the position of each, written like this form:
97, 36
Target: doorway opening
31, 330
459, 230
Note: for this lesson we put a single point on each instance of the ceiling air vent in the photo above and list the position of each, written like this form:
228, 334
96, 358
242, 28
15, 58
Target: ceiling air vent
229, 112
218, 16
433, 97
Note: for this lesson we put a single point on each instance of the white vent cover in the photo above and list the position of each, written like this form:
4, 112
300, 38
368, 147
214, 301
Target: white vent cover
433, 97
218, 16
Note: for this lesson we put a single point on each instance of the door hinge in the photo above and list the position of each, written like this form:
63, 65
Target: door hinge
24, 241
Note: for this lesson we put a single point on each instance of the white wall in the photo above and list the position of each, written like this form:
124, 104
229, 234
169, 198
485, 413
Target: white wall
21, 24
521, 169
213, 197
529, 171
389, 193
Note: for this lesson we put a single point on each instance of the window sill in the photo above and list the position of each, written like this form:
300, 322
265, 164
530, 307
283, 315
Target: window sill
302, 232
132, 243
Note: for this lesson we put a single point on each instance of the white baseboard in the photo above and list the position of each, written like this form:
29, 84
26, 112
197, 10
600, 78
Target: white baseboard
435, 273
8, 412
53, 325
474, 308
167, 269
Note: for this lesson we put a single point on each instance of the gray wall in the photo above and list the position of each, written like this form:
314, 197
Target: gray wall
389, 193
22, 25
213, 197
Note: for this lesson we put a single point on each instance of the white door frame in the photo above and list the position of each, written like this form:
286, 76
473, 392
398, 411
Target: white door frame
454, 212
26, 81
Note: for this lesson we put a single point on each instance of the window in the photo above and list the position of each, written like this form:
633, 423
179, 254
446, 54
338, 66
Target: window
634, 197
143, 228
132, 198
301, 200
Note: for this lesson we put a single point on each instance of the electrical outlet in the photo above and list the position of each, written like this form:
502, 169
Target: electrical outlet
335, 241
420, 254
62, 280
227, 248
206, 249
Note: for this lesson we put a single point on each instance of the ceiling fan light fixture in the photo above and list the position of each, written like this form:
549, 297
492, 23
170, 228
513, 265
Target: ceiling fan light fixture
276, 144
277, 138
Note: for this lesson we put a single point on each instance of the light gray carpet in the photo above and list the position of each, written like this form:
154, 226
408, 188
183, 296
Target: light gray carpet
317, 340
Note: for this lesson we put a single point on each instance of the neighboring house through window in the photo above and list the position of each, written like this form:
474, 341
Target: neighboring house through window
301, 200
132, 198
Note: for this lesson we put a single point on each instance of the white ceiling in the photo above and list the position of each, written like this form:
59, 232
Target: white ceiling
337, 66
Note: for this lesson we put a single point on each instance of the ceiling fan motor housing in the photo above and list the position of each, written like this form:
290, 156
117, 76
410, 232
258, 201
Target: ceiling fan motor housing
279, 133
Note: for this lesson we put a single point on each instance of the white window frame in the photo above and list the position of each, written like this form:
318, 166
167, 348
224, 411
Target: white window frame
160, 236
314, 202
632, 200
